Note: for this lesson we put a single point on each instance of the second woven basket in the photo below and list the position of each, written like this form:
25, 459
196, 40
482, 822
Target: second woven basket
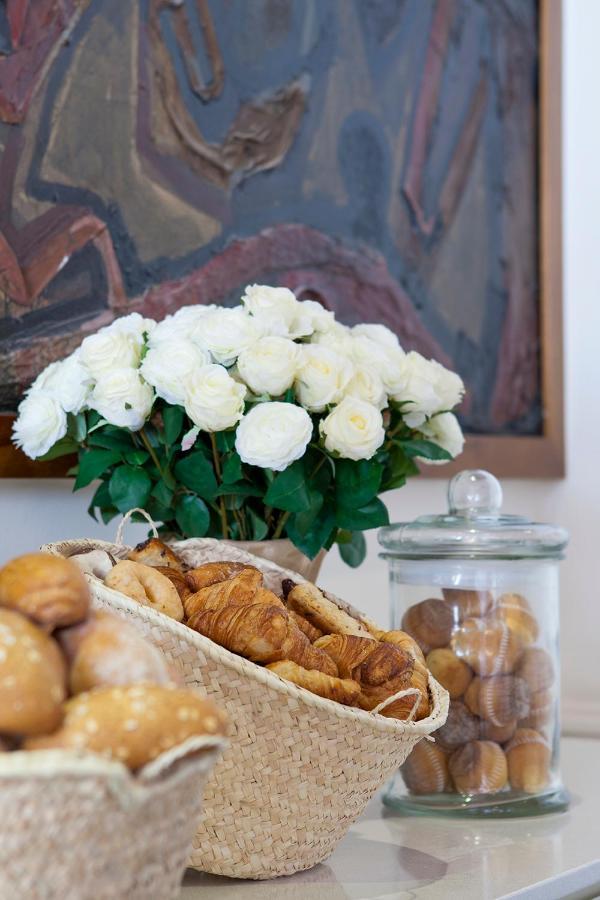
299, 769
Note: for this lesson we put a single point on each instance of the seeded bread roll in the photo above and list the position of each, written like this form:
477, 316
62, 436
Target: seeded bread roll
32, 677
105, 651
48, 589
133, 724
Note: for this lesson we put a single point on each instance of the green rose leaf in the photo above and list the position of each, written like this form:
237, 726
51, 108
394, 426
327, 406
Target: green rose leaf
162, 494
398, 468
78, 427
225, 441
65, 447
241, 489
259, 526
425, 449
371, 515
111, 440
195, 471
173, 422
192, 516
136, 457
312, 538
289, 490
232, 469
353, 551
129, 486
92, 463
356, 483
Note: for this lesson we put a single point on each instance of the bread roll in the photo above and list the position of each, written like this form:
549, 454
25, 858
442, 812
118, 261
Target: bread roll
94, 562
178, 581
154, 552
49, 589
322, 613
133, 724
32, 677
147, 586
105, 651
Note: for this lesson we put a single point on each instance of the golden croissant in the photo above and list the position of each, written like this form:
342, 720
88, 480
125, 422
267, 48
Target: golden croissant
262, 633
304, 625
237, 591
344, 690
387, 670
214, 572
347, 651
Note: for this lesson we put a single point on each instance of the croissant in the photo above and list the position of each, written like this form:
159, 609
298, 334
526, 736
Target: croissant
346, 650
214, 572
261, 633
322, 613
387, 670
177, 579
404, 641
239, 590
304, 625
344, 690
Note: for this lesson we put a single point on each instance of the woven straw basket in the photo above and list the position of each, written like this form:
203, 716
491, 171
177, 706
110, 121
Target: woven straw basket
299, 769
79, 827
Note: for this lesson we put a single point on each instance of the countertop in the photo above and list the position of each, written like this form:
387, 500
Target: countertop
386, 856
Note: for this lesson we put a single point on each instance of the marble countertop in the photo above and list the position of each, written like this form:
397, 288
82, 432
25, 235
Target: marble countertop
387, 856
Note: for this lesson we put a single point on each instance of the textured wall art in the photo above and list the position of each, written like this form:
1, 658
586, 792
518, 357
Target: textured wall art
379, 155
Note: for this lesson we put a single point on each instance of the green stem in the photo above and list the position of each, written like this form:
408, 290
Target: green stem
222, 510
150, 450
280, 525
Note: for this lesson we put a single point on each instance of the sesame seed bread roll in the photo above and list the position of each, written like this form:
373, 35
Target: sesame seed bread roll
133, 724
32, 677
48, 589
105, 651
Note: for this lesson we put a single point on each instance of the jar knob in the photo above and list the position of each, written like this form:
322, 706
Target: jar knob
474, 492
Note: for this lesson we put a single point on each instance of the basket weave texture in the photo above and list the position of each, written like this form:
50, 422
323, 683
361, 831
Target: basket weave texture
299, 769
78, 827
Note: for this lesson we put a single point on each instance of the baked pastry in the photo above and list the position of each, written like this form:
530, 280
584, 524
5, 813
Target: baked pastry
347, 651
403, 640
426, 770
304, 625
262, 633
154, 552
310, 602
500, 699
452, 673
94, 562
48, 589
514, 611
242, 589
343, 690
146, 586
466, 604
488, 646
214, 572
460, 726
178, 581
430, 623
133, 724
387, 671
32, 677
479, 767
105, 651
529, 757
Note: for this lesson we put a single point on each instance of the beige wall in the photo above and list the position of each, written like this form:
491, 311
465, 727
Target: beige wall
34, 512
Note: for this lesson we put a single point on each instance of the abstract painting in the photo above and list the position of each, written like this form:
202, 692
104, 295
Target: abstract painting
381, 156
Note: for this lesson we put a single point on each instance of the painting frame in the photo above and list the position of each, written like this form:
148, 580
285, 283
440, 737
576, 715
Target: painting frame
539, 456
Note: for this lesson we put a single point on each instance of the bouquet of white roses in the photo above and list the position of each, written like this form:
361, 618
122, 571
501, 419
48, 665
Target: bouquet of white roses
267, 420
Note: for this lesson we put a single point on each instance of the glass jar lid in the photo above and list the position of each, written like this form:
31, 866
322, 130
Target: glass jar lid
473, 527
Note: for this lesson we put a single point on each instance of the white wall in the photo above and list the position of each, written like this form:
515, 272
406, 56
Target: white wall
32, 512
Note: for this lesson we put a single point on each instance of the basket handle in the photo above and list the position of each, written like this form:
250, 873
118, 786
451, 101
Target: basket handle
405, 693
124, 521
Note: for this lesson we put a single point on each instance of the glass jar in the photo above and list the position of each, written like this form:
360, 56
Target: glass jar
479, 592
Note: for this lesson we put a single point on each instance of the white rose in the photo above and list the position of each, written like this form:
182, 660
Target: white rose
444, 430
322, 376
269, 366
428, 388
214, 401
110, 349
367, 385
182, 324
273, 435
378, 333
133, 324
337, 338
68, 381
321, 320
169, 365
226, 333
41, 422
277, 311
388, 361
122, 398
354, 429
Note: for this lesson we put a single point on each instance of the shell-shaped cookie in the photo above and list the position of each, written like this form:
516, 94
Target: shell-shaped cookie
468, 604
426, 770
460, 726
479, 767
488, 647
430, 623
514, 610
537, 668
452, 673
528, 754
541, 706
500, 699
500, 734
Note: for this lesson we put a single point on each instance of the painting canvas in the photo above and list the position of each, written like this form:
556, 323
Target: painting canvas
381, 156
